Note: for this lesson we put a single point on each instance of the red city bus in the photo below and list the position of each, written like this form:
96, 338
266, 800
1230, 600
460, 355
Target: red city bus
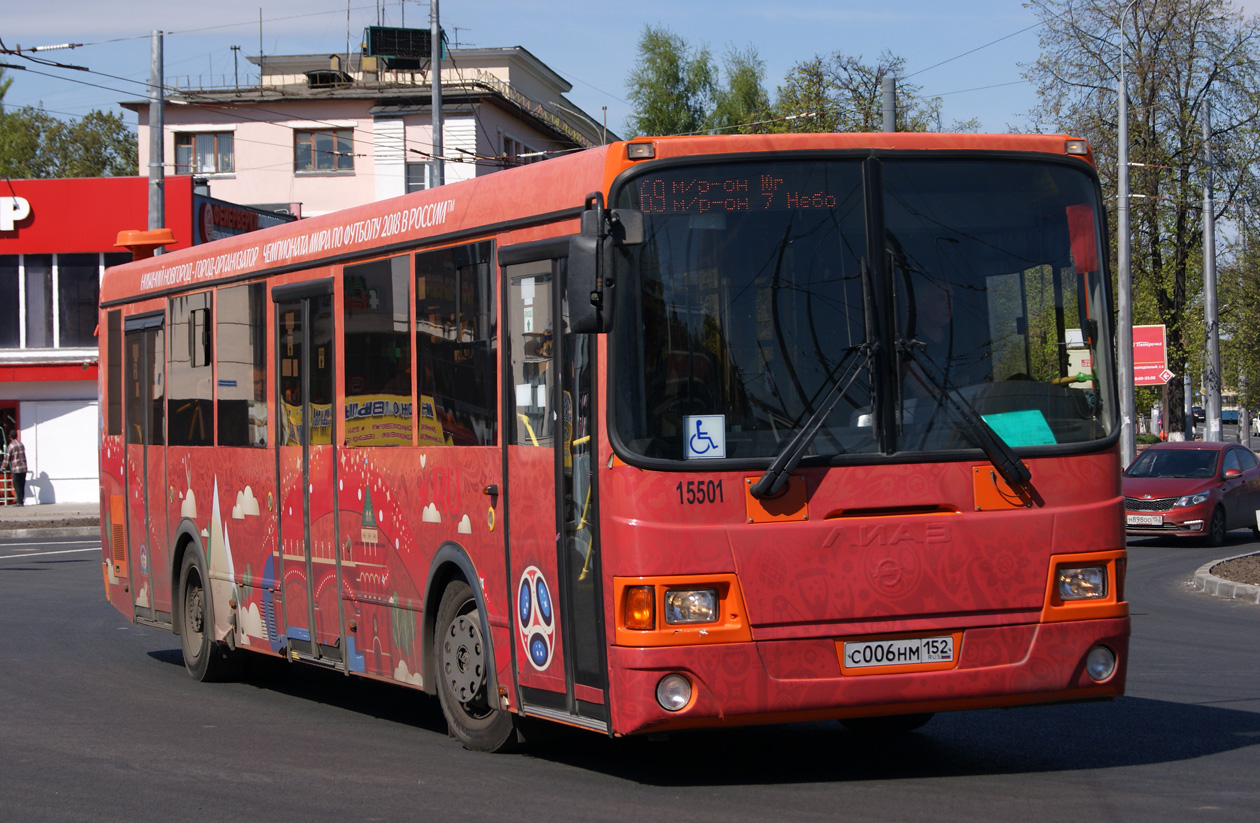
671, 433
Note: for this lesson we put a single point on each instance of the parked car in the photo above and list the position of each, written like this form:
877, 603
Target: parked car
1192, 489
1200, 415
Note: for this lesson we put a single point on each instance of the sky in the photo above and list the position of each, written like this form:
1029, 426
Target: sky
593, 46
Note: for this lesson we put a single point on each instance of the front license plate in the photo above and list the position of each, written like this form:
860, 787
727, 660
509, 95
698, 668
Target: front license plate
1145, 520
906, 651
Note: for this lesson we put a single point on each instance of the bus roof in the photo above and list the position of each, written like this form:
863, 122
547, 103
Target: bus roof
516, 199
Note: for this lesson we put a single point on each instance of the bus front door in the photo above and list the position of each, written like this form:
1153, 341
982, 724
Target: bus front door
552, 539
309, 562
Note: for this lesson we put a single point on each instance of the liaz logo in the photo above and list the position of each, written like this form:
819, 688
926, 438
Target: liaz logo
13, 209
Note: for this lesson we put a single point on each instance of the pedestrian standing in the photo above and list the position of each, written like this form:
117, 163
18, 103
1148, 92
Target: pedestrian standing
15, 463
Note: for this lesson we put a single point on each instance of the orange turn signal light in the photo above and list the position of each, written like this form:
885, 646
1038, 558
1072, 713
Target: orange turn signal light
640, 608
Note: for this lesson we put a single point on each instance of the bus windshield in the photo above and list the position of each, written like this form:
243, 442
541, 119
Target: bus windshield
966, 289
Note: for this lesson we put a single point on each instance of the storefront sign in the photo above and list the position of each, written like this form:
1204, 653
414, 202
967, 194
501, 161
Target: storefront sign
13, 209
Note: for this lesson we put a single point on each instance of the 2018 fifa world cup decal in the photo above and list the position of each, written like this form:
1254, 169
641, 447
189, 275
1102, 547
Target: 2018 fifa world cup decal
536, 617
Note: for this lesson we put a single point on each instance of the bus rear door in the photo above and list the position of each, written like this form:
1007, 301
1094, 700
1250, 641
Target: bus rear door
309, 562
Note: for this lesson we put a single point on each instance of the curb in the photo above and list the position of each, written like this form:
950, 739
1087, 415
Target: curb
78, 532
1205, 581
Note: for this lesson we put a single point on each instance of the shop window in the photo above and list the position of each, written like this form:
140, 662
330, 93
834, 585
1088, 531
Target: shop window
190, 407
241, 337
10, 286
327, 151
204, 153
39, 300
377, 326
78, 293
456, 347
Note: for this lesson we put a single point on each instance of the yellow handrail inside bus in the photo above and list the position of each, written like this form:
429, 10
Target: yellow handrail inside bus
528, 428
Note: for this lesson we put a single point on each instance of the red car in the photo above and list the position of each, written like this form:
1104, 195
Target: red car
1192, 489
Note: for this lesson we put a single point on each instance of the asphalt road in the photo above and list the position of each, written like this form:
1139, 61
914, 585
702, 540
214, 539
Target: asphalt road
98, 721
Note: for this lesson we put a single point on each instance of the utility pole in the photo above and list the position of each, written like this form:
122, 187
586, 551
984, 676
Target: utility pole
157, 134
1213, 404
890, 104
435, 74
236, 76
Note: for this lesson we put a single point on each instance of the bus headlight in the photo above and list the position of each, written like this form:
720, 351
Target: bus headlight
1082, 582
691, 606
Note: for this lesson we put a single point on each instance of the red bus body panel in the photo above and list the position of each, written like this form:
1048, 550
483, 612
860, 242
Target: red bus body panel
883, 550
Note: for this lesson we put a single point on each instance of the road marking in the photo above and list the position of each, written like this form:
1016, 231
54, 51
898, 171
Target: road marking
46, 554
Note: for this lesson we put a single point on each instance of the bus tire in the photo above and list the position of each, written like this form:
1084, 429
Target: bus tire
461, 663
892, 724
206, 660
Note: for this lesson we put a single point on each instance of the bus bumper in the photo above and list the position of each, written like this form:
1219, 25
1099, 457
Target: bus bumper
779, 681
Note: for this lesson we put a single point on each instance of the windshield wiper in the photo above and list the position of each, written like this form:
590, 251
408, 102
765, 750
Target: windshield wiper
776, 477
1008, 464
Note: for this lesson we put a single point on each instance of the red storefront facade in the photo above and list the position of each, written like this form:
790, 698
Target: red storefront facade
56, 239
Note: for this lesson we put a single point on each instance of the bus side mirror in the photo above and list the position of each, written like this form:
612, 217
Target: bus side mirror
590, 287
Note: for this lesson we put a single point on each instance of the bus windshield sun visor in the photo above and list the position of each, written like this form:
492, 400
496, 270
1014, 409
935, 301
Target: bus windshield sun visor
1008, 464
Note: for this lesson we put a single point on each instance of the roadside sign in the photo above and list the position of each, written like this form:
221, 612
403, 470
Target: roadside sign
1150, 356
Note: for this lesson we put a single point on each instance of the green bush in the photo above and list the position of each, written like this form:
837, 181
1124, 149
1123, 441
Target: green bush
1148, 439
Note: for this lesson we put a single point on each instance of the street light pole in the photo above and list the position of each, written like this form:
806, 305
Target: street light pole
1124, 279
1213, 403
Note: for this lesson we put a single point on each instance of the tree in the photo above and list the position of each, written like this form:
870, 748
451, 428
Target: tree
842, 93
34, 144
673, 87
741, 102
1180, 54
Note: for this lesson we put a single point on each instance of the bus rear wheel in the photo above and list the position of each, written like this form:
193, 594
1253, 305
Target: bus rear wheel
462, 664
206, 660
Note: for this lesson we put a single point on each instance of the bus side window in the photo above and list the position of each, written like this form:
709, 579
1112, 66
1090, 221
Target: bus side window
190, 415
456, 347
241, 326
377, 328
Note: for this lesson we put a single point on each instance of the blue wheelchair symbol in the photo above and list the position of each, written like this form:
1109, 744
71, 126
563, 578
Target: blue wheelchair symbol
702, 437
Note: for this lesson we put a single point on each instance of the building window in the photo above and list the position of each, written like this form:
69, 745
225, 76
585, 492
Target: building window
203, 153
331, 150
417, 177
516, 153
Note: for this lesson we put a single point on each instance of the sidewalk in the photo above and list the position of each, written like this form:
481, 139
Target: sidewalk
80, 520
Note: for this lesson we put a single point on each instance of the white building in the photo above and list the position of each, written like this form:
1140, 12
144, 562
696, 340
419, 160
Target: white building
325, 132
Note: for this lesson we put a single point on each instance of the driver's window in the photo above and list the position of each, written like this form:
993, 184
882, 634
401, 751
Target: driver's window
1231, 460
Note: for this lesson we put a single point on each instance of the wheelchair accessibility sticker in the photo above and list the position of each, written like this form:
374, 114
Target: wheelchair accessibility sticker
705, 436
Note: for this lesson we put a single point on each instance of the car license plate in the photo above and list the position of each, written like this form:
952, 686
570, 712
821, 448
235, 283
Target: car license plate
1145, 519
906, 651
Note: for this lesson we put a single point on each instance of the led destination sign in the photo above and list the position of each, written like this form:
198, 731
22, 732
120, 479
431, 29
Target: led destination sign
792, 188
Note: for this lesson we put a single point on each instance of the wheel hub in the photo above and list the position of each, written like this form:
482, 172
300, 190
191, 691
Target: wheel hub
464, 658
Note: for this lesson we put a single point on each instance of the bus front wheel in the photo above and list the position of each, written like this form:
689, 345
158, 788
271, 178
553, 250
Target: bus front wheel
462, 660
205, 659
